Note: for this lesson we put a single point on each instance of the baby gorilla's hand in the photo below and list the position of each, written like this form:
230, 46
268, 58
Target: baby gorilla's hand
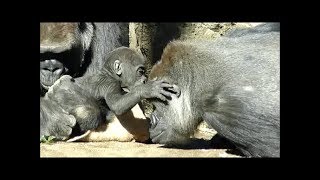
154, 89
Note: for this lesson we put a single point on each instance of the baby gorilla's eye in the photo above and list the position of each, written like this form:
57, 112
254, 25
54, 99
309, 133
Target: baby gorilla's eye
140, 72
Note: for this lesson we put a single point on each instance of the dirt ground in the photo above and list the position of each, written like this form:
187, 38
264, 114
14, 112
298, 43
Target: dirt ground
123, 149
129, 149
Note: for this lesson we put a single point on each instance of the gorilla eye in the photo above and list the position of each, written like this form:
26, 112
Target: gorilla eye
141, 72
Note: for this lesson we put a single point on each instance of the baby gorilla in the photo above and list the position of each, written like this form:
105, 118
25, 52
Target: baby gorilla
122, 82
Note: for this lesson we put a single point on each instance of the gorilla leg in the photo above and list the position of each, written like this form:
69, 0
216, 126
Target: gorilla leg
133, 125
87, 117
135, 122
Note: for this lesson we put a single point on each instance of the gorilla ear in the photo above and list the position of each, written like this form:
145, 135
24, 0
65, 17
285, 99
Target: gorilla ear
86, 31
118, 67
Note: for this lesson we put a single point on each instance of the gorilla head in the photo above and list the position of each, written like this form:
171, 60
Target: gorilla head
62, 49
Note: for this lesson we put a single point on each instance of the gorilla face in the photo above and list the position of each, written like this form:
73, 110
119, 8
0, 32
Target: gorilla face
62, 48
163, 123
158, 127
54, 65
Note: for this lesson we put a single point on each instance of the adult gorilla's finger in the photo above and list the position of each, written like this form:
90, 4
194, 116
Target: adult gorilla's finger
72, 121
64, 125
68, 133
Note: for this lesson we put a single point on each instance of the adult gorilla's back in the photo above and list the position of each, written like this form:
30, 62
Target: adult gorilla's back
74, 49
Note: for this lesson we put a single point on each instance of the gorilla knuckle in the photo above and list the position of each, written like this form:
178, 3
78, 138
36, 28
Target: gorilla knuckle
72, 121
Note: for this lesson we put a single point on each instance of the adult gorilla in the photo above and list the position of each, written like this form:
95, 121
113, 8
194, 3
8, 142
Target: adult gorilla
74, 49
231, 82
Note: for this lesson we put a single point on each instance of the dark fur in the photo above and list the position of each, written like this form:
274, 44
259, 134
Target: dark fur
232, 83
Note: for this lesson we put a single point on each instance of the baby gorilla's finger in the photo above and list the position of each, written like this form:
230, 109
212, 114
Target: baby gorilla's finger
166, 93
175, 89
161, 97
164, 81
166, 85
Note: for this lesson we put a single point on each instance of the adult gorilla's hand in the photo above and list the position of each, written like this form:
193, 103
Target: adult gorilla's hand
55, 121
64, 92
59, 120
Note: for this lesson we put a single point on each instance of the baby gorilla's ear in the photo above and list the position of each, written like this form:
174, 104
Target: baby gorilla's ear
117, 67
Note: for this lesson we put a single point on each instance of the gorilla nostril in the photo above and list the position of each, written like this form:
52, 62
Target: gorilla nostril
54, 69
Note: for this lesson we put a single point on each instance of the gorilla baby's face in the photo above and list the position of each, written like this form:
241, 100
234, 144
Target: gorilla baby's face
62, 47
128, 65
133, 69
133, 75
